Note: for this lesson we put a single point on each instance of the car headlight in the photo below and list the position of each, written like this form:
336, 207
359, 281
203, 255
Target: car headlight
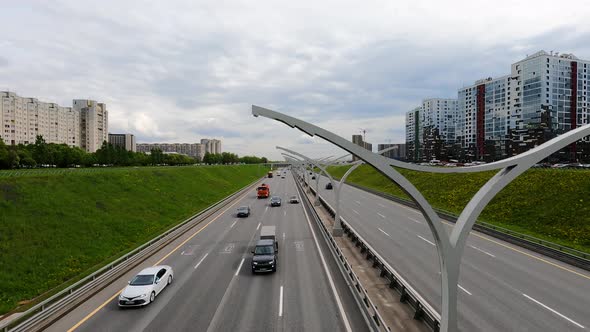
143, 295
255, 263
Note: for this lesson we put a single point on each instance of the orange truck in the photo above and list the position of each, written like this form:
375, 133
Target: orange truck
263, 191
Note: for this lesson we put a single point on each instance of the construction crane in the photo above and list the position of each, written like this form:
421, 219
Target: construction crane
364, 131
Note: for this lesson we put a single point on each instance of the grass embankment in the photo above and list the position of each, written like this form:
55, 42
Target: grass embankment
553, 205
59, 226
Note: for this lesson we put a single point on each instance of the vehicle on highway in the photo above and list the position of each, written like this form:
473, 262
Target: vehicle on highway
313, 177
145, 286
329, 185
293, 200
243, 211
263, 191
275, 201
266, 250
270, 174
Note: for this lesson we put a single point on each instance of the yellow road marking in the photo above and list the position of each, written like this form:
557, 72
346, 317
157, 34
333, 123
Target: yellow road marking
158, 262
526, 253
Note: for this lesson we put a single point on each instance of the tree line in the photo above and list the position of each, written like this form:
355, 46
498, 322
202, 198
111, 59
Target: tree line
42, 154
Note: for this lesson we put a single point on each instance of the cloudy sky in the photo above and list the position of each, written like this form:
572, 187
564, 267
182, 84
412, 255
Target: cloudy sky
178, 71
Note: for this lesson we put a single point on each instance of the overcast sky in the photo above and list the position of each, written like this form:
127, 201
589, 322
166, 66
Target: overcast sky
179, 71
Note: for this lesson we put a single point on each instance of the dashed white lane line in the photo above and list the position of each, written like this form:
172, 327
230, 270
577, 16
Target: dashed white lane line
415, 220
239, 267
201, 261
384, 232
381, 205
234, 223
283, 236
266, 209
382, 216
285, 213
426, 240
257, 227
281, 303
357, 202
355, 211
463, 289
555, 312
485, 252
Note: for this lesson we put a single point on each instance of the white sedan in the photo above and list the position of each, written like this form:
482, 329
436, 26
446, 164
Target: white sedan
144, 287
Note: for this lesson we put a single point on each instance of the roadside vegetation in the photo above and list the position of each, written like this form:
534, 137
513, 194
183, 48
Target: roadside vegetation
57, 226
50, 155
550, 204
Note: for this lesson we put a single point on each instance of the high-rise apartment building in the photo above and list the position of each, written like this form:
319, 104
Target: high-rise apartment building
211, 145
483, 117
413, 133
398, 151
93, 123
358, 140
125, 141
24, 118
559, 84
546, 94
440, 114
195, 150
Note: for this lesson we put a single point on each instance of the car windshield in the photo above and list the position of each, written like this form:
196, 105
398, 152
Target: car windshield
142, 280
293, 197
275, 199
263, 250
243, 208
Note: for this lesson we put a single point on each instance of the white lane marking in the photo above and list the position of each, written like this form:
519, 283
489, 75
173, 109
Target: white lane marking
257, 227
381, 205
355, 211
384, 232
239, 267
382, 216
201, 261
327, 271
285, 213
266, 209
357, 202
234, 223
426, 240
553, 311
281, 303
463, 289
182, 253
414, 220
283, 236
485, 252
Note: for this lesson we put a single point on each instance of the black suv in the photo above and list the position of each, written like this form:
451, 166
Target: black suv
275, 201
329, 185
243, 211
265, 256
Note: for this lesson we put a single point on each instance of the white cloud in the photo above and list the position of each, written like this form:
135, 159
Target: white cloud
182, 70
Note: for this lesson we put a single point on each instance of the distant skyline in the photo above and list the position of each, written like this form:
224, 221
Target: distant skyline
177, 71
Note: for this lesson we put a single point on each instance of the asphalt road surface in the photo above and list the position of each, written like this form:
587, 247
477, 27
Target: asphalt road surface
214, 289
503, 287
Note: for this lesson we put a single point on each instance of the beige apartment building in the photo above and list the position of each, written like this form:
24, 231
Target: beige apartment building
24, 118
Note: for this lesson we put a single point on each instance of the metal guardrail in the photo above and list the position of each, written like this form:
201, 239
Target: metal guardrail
46, 312
360, 294
563, 253
422, 309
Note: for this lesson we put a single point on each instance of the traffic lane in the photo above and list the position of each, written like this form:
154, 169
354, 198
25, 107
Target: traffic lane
518, 270
196, 303
308, 303
207, 228
217, 239
250, 302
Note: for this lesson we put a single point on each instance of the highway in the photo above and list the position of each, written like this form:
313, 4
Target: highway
502, 287
214, 289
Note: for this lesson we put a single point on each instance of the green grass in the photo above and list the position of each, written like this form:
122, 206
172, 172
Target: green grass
553, 205
57, 226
